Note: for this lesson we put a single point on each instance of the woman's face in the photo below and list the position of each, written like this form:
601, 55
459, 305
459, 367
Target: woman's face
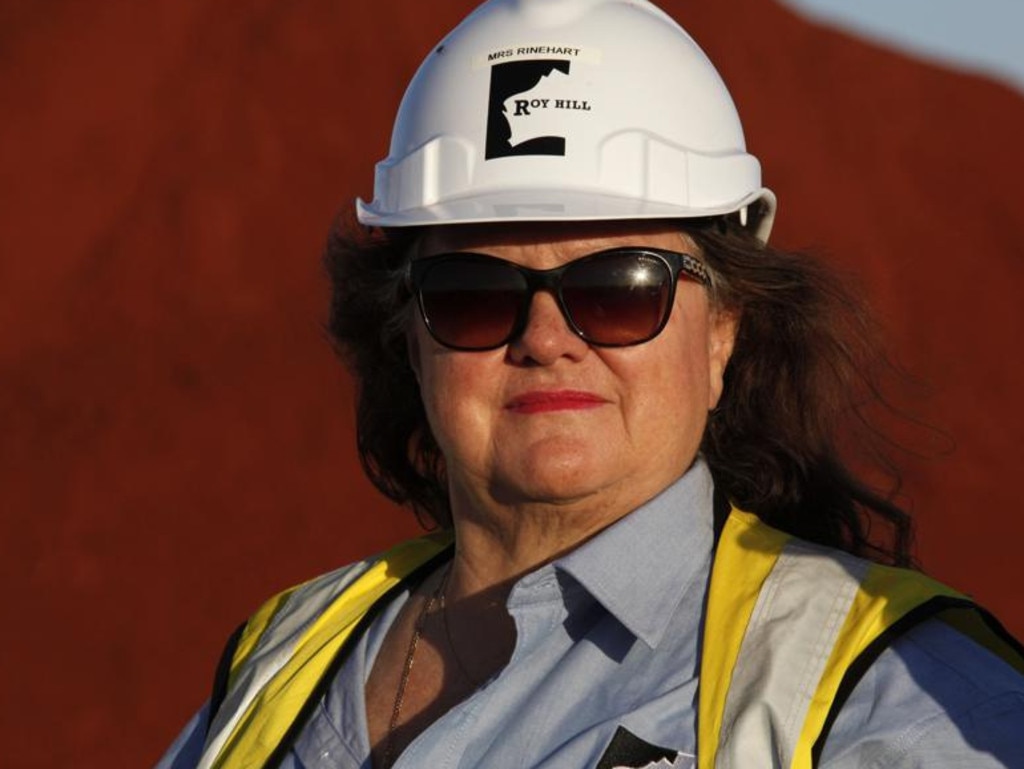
550, 419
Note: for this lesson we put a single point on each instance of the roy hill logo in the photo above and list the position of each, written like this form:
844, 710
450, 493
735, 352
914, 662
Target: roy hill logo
526, 108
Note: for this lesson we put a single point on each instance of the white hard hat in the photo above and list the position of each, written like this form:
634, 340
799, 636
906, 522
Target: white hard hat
566, 110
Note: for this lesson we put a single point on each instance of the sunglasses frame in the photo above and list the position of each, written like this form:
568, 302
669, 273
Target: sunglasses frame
677, 263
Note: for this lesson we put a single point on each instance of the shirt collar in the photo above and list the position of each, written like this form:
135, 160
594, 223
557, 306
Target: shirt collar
640, 567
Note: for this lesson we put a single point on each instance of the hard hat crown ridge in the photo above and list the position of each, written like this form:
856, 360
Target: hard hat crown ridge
543, 13
565, 110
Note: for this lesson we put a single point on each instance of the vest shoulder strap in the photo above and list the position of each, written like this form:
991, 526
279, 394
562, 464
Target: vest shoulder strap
292, 645
785, 621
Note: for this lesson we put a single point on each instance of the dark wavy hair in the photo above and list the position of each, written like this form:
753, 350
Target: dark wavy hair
797, 390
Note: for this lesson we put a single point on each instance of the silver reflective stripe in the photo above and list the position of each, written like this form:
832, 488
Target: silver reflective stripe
796, 621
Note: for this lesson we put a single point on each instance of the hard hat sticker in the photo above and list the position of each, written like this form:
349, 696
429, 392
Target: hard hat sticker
513, 52
528, 106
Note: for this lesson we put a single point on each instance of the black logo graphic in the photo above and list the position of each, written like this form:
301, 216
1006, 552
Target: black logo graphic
626, 749
507, 80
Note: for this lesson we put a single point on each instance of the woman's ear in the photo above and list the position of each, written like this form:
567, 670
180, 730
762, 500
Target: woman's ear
722, 327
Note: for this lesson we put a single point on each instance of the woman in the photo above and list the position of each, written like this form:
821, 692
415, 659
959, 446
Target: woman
576, 354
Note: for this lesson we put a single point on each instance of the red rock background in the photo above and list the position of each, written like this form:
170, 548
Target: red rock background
175, 436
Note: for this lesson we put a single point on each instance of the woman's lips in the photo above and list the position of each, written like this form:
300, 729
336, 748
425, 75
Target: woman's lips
554, 400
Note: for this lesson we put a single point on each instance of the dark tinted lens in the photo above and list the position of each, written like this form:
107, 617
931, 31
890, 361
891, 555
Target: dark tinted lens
618, 299
471, 303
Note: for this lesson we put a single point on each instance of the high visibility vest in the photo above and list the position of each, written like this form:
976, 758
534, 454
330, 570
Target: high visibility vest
768, 690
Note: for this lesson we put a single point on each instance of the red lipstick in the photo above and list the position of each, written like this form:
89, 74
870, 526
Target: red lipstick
537, 401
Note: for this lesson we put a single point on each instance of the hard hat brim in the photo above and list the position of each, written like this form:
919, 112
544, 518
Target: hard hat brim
549, 205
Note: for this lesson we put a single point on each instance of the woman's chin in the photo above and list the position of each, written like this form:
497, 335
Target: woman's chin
557, 477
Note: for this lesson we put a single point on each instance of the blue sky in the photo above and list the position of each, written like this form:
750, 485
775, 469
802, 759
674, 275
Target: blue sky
984, 36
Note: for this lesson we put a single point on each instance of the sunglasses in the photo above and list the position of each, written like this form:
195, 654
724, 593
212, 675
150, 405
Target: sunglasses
614, 298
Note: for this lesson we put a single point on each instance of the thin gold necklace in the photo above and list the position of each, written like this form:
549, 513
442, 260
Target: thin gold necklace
410, 657
473, 680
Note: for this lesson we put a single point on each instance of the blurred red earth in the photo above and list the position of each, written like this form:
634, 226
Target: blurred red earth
177, 439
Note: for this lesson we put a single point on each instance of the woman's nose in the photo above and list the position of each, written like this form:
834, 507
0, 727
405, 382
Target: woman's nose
547, 336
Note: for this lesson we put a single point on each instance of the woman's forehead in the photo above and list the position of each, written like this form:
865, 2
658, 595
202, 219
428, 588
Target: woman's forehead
579, 235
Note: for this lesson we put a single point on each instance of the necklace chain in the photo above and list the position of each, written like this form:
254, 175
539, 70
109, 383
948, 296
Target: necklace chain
473, 681
437, 597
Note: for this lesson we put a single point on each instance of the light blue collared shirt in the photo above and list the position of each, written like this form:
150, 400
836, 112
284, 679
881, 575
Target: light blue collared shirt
608, 636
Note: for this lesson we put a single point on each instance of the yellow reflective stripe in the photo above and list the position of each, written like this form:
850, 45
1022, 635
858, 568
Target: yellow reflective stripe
746, 553
885, 596
274, 708
255, 628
